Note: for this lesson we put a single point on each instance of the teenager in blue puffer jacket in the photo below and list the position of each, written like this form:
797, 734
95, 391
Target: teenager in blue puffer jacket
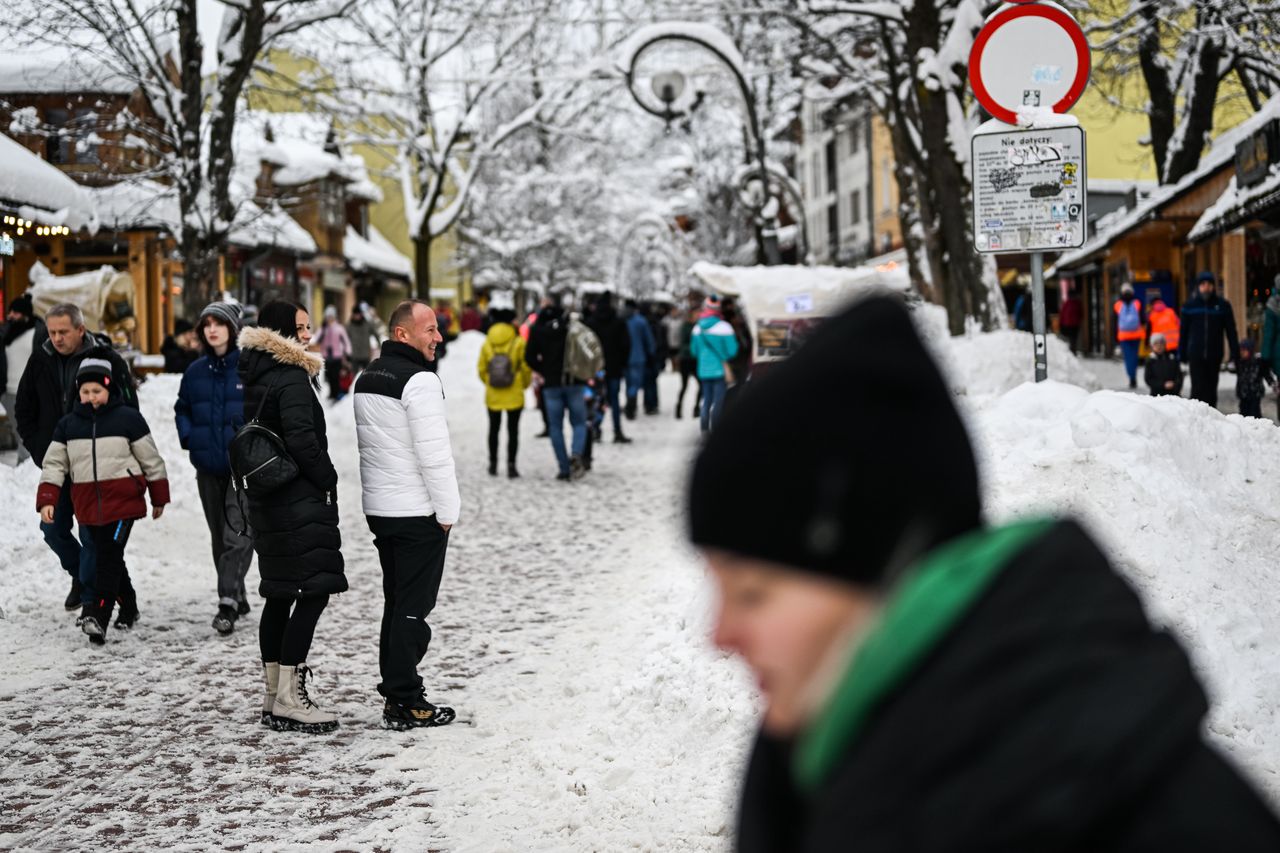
209, 410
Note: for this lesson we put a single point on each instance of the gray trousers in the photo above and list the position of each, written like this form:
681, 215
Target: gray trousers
232, 553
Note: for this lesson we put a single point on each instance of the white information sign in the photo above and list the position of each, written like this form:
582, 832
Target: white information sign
1029, 190
800, 303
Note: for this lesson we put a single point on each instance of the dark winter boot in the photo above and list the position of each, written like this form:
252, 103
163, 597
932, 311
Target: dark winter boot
73, 598
512, 473
630, 410
619, 438
577, 468
225, 622
493, 467
95, 620
418, 714
127, 615
242, 609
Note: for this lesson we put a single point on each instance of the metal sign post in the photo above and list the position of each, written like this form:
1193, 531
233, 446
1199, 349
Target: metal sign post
1029, 183
1038, 324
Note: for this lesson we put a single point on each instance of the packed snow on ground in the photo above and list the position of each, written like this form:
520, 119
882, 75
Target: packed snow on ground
571, 635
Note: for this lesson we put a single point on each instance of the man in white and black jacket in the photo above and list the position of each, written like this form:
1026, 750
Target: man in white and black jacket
410, 501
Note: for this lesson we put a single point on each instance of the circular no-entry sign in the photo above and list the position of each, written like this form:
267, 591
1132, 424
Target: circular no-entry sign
1027, 56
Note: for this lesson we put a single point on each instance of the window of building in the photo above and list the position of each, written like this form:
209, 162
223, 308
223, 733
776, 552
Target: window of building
833, 228
57, 145
855, 138
832, 182
87, 139
855, 207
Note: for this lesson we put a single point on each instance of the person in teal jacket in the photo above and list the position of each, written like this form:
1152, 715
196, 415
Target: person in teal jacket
712, 344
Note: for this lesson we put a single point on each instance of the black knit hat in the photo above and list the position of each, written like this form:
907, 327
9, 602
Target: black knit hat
849, 460
22, 305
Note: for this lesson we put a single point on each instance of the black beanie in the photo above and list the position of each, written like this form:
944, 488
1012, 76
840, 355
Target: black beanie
849, 460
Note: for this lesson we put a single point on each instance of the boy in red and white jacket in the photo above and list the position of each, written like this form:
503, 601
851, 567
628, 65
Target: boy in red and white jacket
107, 452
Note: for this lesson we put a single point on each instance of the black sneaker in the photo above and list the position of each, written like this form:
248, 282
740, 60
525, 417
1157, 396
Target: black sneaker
563, 477
512, 473
418, 714
619, 438
73, 598
493, 469
127, 615
225, 622
242, 609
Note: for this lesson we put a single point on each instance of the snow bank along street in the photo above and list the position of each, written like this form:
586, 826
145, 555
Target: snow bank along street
571, 637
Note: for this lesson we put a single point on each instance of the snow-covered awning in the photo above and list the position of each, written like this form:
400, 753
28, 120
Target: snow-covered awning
1237, 205
270, 227
137, 203
41, 192
375, 252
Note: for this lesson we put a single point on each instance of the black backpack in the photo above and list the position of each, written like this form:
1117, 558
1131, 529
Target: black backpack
260, 463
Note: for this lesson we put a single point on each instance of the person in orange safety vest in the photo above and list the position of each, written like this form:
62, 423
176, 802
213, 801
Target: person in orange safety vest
1163, 320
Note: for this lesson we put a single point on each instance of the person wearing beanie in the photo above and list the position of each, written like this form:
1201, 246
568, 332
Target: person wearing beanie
104, 454
180, 349
1129, 331
1253, 377
932, 683
1206, 319
21, 333
47, 392
713, 343
1163, 373
209, 411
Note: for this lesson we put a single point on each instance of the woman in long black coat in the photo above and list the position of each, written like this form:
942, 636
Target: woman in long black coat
295, 528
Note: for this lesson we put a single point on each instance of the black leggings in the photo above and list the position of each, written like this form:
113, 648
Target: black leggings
333, 375
286, 637
688, 368
513, 434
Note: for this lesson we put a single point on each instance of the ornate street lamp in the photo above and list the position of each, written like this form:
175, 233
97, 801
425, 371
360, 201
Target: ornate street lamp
674, 100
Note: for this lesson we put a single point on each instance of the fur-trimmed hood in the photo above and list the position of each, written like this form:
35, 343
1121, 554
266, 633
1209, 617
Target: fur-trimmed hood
283, 350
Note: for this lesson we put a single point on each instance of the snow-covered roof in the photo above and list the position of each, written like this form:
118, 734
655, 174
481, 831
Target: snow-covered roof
41, 192
58, 69
137, 203
298, 151
375, 252
1219, 156
1234, 203
270, 227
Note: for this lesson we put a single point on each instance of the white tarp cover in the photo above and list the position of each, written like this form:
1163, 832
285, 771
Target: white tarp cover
783, 304
104, 295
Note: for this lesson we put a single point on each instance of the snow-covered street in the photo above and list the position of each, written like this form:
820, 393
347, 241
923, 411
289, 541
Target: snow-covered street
593, 714
571, 636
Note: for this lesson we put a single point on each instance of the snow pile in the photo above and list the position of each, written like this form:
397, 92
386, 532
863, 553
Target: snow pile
1187, 502
984, 364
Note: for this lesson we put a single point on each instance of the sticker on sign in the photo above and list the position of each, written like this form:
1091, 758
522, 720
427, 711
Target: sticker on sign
1029, 55
1028, 190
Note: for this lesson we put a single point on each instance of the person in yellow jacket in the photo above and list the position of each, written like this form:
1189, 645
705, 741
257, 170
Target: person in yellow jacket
505, 375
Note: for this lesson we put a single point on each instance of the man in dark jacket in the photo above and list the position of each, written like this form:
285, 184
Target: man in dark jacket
641, 355
1206, 318
208, 413
932, 684
616, 340
561, 392
46, 392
